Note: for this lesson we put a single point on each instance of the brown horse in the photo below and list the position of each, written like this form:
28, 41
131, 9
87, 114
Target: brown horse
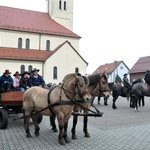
57, 102
98, 86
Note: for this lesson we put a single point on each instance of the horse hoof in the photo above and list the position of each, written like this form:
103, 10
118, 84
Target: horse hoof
98, 103
114, 107
28, 135
87, 135
62, 142
74, 137
36, 133
105, 104
55, 129
67, 140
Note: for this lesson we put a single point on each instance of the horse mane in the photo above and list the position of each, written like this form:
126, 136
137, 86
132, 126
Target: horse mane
68, 76
86, 80
93, 79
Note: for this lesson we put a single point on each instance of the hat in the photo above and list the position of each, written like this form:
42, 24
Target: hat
17, 73
125, 74
26, 72
35, 70
7, 72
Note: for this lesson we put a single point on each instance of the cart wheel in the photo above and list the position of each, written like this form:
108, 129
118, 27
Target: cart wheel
40, 118
3, 119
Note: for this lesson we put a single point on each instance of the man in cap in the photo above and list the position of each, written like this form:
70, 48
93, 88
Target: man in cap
6, 82
36, 79
147, 77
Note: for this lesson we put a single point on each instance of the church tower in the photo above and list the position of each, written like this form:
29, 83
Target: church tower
62, 12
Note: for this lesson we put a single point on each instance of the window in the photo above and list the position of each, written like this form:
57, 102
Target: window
22, 69
30, 68
55, 72
60, 4
64, 5
76, 70
20, 43
47, 45
27, 44
121, 67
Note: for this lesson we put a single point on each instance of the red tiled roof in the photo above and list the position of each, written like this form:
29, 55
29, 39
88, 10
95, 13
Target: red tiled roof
31, 21
31, 55
24, 54
141, 65
108, 68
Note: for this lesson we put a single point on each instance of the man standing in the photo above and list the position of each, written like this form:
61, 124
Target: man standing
36, 79
6, 82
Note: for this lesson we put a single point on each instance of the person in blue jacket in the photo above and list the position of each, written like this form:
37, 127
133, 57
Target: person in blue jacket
36, 79
6, 82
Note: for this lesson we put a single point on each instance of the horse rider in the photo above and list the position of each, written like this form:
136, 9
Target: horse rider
127, 84
147, 77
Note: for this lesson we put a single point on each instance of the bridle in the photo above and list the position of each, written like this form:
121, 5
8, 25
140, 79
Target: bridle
74, 93
100, 90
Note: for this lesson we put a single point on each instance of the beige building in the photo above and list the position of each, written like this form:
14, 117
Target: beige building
30, 39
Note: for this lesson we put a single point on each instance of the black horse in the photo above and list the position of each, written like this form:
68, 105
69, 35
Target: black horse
111, 86
122, 91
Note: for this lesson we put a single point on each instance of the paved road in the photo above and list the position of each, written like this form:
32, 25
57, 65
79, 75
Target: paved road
120, 129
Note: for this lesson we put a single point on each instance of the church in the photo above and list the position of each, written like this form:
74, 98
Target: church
31, 39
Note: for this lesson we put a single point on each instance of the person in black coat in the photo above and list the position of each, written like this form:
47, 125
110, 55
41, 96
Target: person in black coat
36, 79
24, 81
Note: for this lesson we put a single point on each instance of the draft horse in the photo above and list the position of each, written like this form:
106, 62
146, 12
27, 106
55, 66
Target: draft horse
57, 102
139, 90
98, 86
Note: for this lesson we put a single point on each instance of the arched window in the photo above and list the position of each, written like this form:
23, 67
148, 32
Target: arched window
20, 43
27, 44
22, 69
30, 68
65, 7
60, 4
47, 45
55, 72
76, 70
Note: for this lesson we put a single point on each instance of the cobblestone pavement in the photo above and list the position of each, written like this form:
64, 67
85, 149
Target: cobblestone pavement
120, 129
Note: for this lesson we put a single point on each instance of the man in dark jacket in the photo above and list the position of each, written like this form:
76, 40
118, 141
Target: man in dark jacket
36, 79
147, 77
127, 84
6, 82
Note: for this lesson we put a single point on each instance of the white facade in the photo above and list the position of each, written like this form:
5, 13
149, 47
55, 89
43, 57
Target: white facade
120, 70
37, 41
62, 12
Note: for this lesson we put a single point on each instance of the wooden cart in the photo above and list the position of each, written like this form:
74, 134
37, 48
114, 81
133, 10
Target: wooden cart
11, 105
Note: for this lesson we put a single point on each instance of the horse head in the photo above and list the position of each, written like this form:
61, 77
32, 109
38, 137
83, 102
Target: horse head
100, 83
77, 85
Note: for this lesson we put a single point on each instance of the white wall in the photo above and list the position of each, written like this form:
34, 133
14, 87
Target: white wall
10, 39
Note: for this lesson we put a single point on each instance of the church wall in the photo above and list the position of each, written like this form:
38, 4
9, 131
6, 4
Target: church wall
10, 39
66, 60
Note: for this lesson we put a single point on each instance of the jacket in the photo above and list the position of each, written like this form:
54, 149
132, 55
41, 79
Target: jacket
36, 81
3, 78
126, 82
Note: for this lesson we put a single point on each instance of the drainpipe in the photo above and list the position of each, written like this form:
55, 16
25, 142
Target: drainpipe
39, 41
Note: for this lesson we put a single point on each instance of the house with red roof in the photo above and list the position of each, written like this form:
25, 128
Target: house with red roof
139, 68
31, 39
116, 68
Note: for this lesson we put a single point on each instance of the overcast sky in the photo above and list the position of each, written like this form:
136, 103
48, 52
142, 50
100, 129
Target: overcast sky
110, 29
